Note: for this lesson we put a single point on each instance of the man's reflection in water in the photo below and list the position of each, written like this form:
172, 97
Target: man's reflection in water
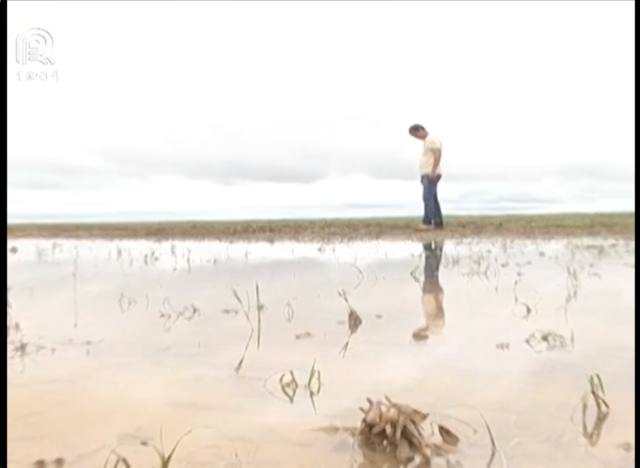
432, 292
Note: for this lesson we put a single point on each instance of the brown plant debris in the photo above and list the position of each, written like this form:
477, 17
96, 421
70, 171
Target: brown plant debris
56, 463
353, 320
126, 303
303, 335
625, 446
314, 385
171, 315
395, 431
503, 346
289, 312
546, 340
596, 396
289, 385
116, 460
259, 307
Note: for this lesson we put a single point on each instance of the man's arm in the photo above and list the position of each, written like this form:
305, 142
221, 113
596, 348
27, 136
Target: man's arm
437, 155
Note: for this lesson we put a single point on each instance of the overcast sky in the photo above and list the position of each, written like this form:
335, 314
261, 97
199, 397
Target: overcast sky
167, 110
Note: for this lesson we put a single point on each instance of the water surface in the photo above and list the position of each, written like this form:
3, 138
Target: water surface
113, 342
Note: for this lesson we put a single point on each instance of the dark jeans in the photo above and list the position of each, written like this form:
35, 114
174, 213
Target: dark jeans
432, 214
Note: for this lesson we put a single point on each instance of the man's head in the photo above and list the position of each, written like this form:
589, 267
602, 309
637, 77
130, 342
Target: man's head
418, 131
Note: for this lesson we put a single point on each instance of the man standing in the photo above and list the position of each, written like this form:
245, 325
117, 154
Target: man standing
430, 174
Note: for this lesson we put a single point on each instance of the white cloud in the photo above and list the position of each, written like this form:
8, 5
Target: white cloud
296, 98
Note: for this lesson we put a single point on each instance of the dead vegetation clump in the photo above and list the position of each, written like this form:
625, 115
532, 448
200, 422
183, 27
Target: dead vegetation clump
18, 347
395, 431
594, 396
503, 346
548, 340
245, 307
126, 303
289, 312
572, 289
485, 267
55, 463
518, 302
303, 335
360, 276
117, 460
289, 385
353, 320
171, 315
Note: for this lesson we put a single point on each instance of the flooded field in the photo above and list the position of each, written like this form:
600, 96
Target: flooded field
261, 354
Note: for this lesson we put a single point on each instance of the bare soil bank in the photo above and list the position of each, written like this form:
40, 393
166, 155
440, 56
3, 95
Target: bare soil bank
618, 225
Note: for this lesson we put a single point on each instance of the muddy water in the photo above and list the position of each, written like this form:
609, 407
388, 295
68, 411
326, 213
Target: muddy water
114, 343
